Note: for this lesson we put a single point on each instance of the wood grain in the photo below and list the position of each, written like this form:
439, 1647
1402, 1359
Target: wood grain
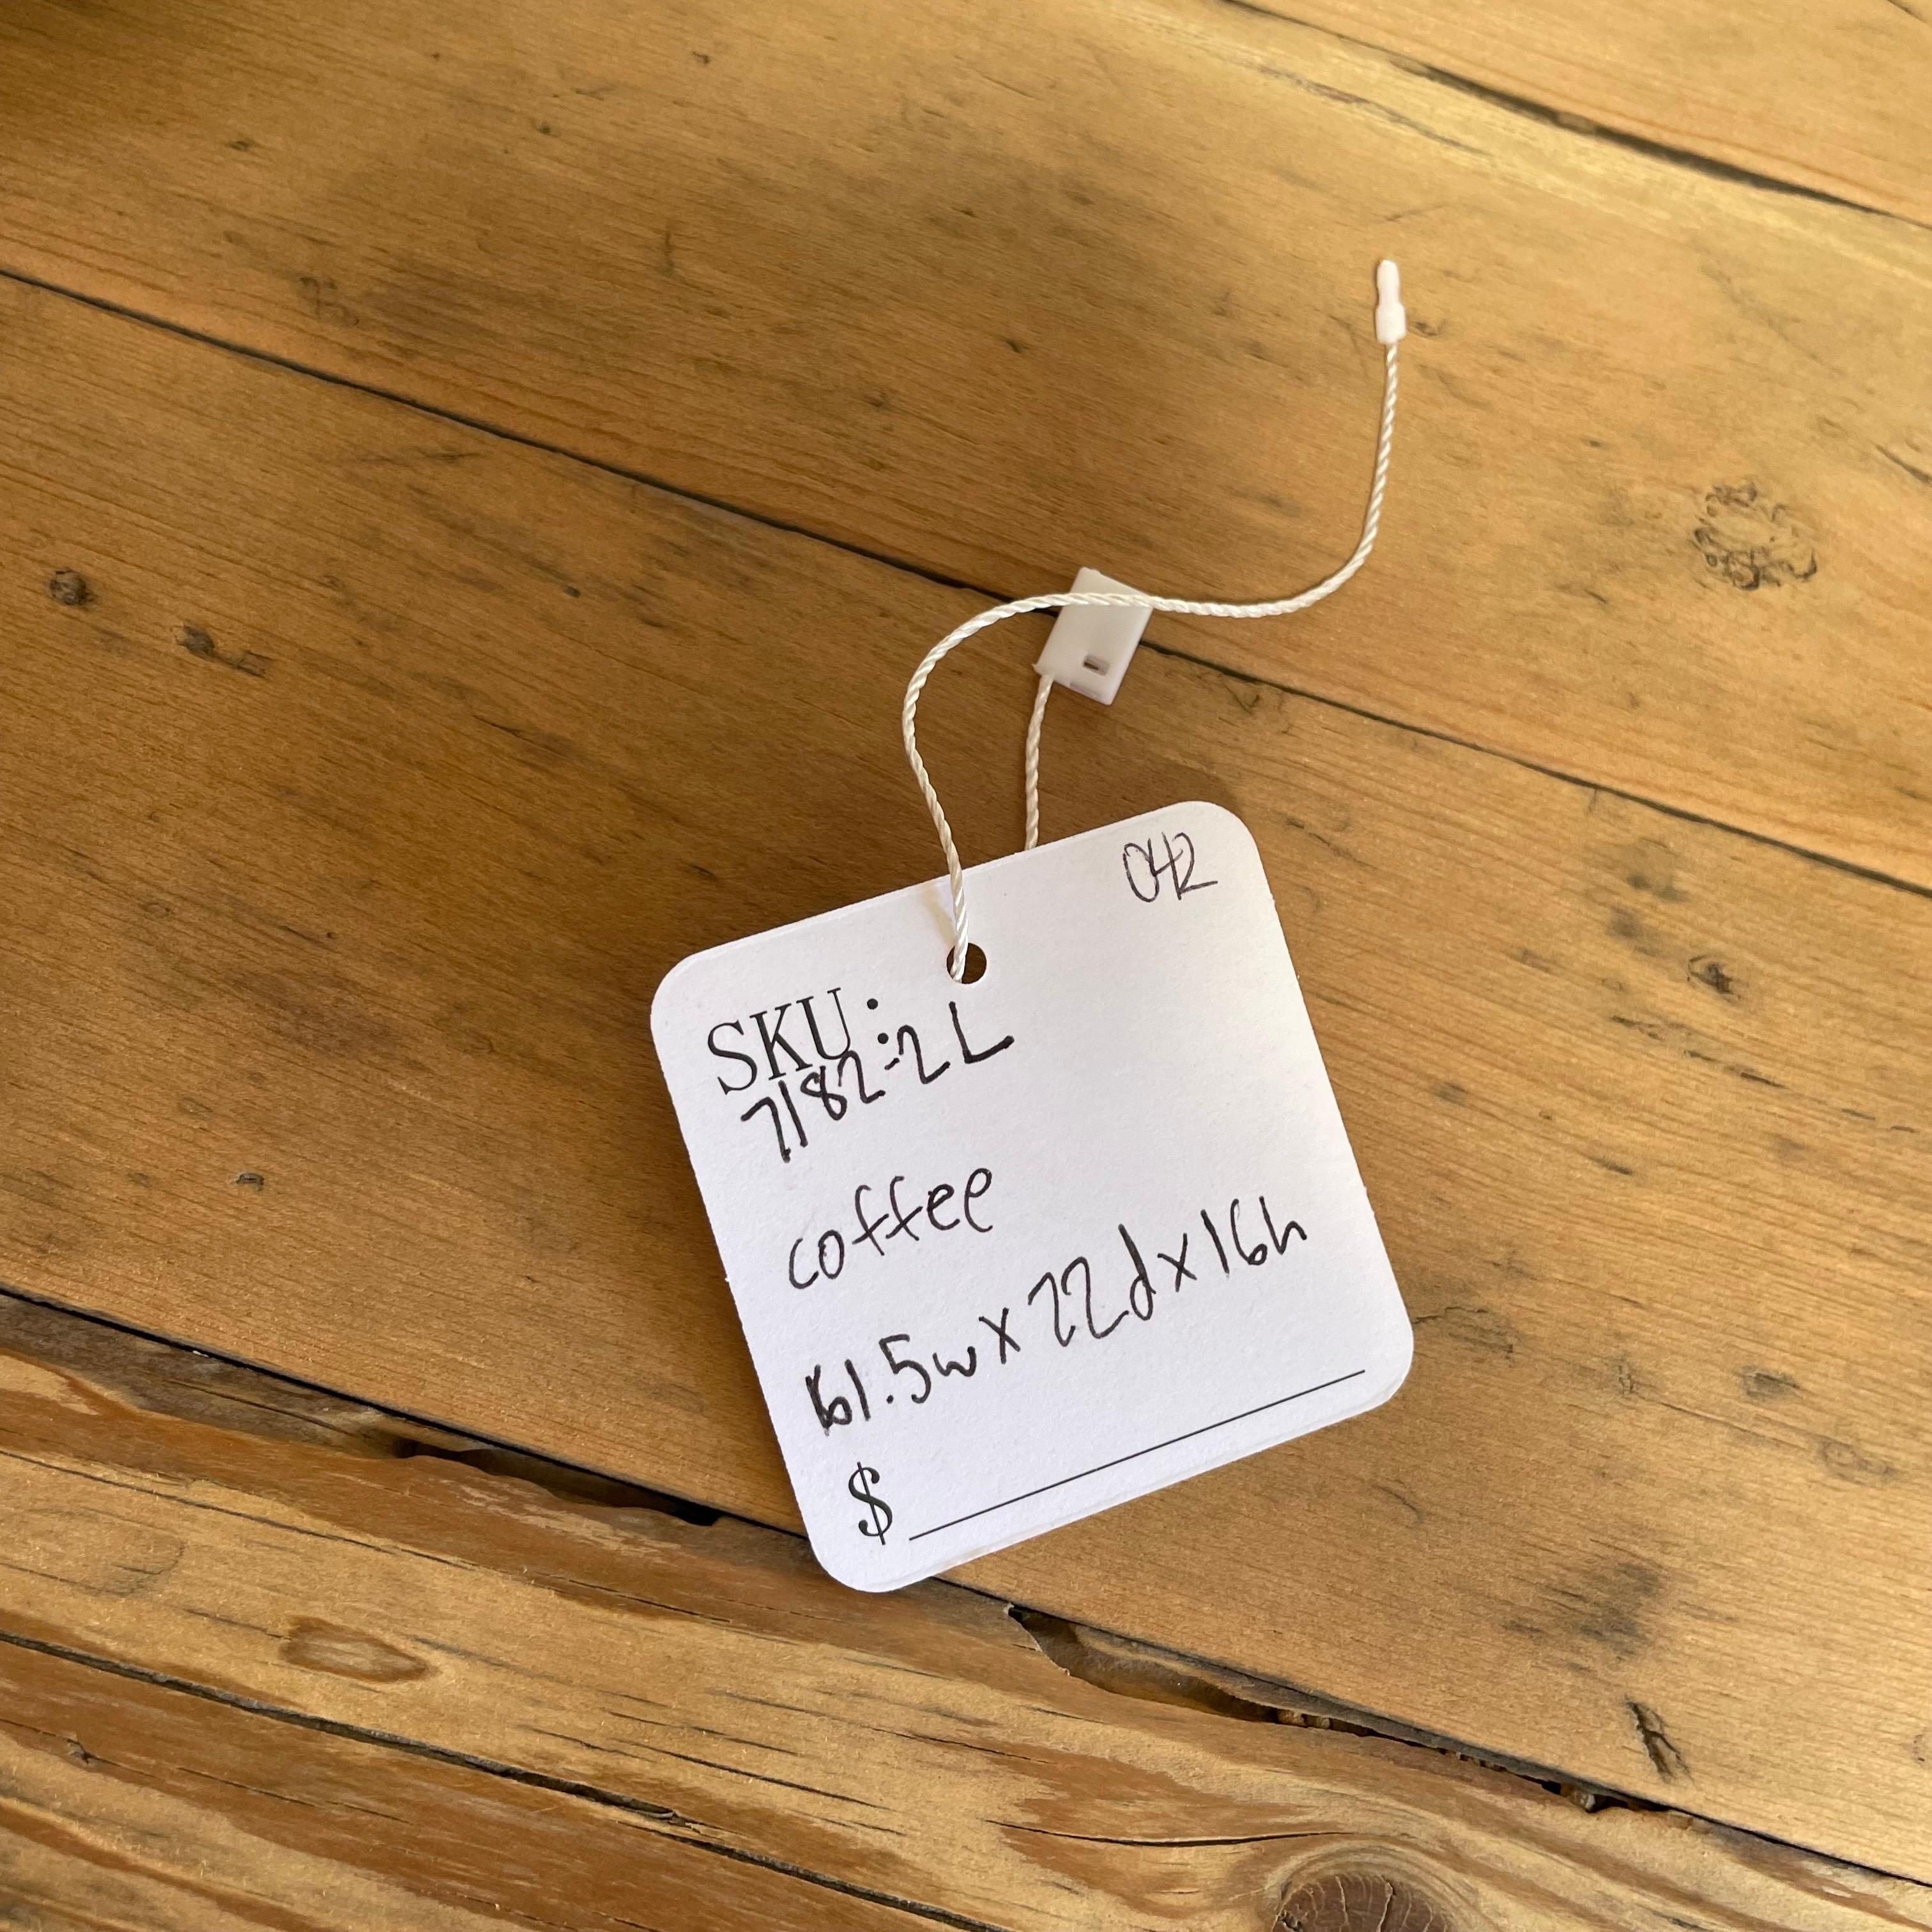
1830, 98
1661, 515
641, 1722
128, 1805
381, 768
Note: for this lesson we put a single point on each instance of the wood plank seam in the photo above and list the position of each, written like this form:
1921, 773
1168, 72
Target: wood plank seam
213, 250
1667, 152
429, 1437
1658, 151
1111, 1803
660, 1816
1135, 1668
1682, 813
1181, 1678
1118, 1666
483, 427
1586, 1797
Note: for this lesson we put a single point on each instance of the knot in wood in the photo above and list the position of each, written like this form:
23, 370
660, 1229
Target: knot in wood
1360, 1901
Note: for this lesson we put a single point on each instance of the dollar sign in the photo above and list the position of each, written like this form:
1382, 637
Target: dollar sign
859, 1484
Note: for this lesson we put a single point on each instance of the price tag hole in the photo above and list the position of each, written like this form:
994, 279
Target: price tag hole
976, 964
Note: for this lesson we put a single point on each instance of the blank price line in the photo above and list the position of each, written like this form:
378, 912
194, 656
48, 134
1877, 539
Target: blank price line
1133, 1454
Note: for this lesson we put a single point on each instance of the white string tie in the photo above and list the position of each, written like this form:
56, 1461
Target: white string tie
1391, 326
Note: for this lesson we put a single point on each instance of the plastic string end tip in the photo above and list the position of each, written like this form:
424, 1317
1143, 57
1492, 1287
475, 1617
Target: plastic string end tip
1391, 318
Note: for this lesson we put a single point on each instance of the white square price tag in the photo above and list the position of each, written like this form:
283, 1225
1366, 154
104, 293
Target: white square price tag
1009, 1253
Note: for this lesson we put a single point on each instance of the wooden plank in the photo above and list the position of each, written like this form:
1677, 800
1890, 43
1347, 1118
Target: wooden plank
386, 768
124, 1804
1661, 515
919, 1746
1829, 98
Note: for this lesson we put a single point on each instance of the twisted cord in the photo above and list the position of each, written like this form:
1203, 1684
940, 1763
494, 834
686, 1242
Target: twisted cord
1061, 600
1034, 724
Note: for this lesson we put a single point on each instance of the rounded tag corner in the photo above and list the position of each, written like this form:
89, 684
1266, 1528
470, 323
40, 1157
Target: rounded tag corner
827, 1557
666, 987
1393, 1387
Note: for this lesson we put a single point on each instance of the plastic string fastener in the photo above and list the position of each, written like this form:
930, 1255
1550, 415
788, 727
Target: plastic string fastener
1092, 658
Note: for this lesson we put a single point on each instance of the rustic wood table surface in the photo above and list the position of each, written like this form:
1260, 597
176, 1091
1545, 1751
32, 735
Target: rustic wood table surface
473, 483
